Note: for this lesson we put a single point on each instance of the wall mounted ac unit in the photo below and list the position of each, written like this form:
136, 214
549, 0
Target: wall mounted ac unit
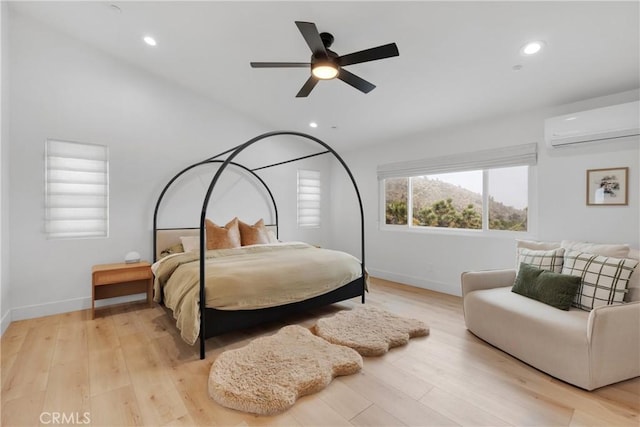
604, 123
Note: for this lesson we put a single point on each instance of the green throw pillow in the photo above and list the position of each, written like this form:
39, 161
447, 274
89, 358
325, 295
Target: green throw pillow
555, 289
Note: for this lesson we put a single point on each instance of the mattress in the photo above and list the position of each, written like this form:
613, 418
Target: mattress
248, 278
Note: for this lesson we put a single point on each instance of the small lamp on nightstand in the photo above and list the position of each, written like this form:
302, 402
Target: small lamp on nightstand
132, 257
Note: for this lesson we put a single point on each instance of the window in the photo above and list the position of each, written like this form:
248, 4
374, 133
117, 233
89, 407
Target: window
493, 195
76, 190
309, 191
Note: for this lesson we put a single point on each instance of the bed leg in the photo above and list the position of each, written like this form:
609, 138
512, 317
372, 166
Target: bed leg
201, 347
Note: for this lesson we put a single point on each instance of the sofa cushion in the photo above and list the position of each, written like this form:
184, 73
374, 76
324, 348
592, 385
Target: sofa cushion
554, 289
536, 245
604, 279
552, 340
614, 250
550, 260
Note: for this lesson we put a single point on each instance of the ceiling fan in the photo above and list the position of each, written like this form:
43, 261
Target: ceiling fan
326, 64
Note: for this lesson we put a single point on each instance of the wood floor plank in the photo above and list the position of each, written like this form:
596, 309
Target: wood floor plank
342, 400
398, 404
130, 367
101, 334
504, 401
23, 411
115, 408
30, 370
73, 378
71, 343
127, 322
376, 416
382, 368
107, 371
159, 402
310, 411
461, 411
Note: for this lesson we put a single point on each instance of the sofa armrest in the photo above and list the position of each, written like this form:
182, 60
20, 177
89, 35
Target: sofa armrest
487, 279
613, 333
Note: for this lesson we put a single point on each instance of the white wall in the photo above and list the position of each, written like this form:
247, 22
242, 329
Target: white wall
435, 260
5, 312
64, 89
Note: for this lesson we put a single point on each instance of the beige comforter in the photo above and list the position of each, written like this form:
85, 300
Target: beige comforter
249, 277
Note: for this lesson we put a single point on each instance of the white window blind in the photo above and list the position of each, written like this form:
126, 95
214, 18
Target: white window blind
76, 190
517, 155
309, 192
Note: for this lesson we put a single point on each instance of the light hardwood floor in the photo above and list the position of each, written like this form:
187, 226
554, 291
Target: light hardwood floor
130, 367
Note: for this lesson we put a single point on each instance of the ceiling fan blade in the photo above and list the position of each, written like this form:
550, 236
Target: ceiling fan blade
307, 87
312, 37
280, 64
355, 81
373, 54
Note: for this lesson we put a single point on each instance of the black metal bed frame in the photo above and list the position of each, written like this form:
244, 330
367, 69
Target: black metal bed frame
215, 322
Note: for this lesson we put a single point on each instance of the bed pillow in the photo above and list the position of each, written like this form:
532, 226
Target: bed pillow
172, 250
550, 260
254, 234
227, 237
190, 243
554, 289
604, 280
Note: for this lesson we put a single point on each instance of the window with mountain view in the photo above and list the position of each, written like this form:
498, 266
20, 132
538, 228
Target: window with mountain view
457, 200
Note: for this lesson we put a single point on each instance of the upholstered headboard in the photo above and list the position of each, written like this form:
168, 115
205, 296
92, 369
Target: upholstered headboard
167, 237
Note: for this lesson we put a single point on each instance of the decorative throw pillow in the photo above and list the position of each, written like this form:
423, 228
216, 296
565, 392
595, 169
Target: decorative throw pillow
536, 245
634, 281
604, 279
172, 250
614, 250
254, 234
190, 243
550, 260
554, 289
227, 237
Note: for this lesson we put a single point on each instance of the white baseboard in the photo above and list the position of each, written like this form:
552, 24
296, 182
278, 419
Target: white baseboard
5, 322
65, 306
419, 282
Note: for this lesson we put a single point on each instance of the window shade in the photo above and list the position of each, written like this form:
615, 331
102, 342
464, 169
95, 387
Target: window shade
76, 190
517, 155
309, 192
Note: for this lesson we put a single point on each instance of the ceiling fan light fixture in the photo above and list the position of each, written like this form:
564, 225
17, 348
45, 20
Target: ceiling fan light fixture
324, 70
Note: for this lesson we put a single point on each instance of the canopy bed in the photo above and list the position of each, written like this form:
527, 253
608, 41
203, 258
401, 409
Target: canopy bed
272, 279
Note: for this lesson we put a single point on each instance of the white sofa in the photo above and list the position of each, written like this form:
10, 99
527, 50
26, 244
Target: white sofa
586, 349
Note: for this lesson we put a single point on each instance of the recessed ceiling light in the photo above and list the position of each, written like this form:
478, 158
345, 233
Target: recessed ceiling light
313, 124
149, 40
531, 48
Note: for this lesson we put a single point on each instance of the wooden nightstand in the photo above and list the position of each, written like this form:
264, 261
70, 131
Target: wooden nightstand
115, 280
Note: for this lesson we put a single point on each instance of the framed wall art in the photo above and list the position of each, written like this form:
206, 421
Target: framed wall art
608, 187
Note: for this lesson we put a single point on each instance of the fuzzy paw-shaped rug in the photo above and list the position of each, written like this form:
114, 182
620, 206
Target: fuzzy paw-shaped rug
369, 330
270, 373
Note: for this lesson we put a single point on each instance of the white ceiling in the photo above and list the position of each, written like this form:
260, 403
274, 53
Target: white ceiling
455, 62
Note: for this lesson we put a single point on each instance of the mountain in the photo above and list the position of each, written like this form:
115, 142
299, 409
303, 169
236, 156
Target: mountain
427, 191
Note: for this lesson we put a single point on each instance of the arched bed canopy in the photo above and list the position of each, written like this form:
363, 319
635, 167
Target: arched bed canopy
213, 321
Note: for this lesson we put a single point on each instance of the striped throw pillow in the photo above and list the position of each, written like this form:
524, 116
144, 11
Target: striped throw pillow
604, 279
550, 260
